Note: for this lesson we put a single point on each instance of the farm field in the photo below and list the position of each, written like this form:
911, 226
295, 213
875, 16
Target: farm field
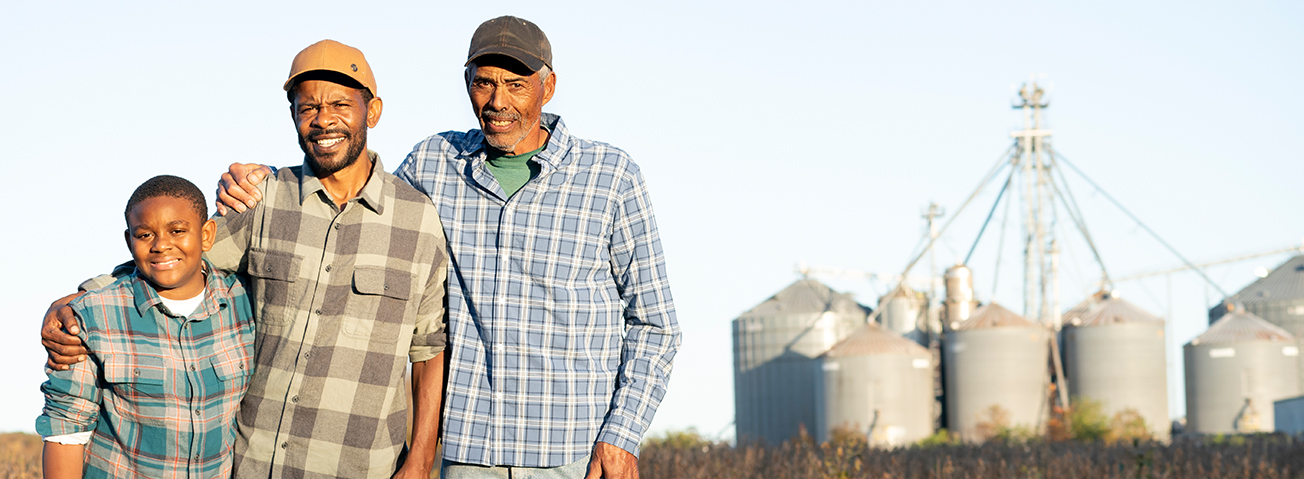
1263, 456
687, 456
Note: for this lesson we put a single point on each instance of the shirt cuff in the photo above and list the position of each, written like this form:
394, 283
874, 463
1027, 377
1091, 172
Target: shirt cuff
76, 438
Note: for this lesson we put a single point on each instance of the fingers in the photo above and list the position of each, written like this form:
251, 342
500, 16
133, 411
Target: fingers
63, 348
238, 188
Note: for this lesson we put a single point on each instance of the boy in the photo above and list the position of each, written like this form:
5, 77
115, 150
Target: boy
171, 353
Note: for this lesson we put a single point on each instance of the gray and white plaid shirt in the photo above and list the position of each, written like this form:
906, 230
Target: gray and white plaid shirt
344, 298
561, 326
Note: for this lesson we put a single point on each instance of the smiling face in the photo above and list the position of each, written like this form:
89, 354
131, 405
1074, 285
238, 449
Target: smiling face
508, 100
167, 239
332, 121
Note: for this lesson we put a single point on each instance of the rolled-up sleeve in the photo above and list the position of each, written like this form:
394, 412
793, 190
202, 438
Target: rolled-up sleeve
72, 399
652, 331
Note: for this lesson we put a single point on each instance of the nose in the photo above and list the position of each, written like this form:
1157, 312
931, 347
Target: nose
498, 99
161, 243
322, 119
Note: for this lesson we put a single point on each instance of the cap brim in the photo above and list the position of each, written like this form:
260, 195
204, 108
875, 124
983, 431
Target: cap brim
530, 61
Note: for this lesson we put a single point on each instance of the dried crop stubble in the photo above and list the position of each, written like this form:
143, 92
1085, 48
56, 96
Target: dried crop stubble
1269, 457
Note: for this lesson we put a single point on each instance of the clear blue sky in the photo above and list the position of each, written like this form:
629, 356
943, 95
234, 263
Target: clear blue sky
770, 133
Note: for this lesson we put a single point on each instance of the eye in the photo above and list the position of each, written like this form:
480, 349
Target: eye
143, 235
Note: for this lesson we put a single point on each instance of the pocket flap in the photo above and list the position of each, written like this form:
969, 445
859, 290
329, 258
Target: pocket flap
382, 281
277, 265
227, 368
136, 369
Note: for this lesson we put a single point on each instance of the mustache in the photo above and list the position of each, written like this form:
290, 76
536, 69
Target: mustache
488, 114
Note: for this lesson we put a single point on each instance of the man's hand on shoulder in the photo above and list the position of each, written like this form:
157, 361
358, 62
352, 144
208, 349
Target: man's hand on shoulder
611, 462
62, 348
238, 188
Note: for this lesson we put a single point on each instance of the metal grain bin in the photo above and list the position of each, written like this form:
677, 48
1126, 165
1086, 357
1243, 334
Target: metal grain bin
1115, 353
995, 358
1234, 372
876, 383
1277, 298
775, 347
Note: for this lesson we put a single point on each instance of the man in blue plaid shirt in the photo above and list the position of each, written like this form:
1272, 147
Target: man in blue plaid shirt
561, 325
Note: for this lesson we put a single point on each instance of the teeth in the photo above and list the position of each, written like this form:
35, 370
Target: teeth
330, 142
500, 122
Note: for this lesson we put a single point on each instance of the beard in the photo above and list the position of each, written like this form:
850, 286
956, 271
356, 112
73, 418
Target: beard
506, 141
326, 165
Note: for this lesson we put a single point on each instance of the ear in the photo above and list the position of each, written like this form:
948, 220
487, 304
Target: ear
373, 112
126, 236
209, 234
549, 86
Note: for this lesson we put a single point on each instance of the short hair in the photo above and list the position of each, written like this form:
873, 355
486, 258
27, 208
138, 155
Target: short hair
333, 77
168, 185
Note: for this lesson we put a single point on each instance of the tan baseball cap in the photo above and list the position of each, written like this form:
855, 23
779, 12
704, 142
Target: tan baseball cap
332, 56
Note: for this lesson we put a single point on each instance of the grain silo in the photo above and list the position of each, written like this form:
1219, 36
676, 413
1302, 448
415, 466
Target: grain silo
996, 373
775, 346
902, 312
1115, 353
1277, 298
878, 384
1234, 373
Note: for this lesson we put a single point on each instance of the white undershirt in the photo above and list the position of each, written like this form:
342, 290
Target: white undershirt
183, 307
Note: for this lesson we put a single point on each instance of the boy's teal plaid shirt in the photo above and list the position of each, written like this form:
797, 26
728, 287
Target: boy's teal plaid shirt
160, 391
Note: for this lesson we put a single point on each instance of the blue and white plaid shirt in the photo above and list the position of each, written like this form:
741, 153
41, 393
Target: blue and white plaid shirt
561, 326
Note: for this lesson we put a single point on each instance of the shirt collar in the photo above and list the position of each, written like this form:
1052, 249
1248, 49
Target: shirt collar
371, 195
552, 155
146, 297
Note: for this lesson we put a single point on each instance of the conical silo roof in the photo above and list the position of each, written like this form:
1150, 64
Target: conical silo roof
807, 296
1241, 327
1284, 282
993, 316
1113, 311
873, 340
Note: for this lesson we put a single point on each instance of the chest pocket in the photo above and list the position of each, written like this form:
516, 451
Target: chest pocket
378, 303
137, 382
276, 287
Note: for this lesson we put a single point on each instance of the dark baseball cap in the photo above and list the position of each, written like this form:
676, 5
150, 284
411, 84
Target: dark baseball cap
514, 37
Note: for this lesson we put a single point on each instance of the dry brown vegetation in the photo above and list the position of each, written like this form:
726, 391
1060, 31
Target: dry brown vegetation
20, 456
1262, 456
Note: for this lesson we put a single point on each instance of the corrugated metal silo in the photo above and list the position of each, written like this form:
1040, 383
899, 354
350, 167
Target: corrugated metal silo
1277, 298
1234, 372
775, 348
878, 383
1115, 354
995, 358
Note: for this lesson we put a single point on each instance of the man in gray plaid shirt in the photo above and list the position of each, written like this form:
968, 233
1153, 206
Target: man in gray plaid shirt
562, 330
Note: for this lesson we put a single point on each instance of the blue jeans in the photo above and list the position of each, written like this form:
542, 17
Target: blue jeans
457, 470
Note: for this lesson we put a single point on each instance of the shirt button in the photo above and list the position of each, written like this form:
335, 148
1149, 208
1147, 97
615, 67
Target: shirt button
319, 312
199, 412
192, 367
285, 445
295, 399
135, 372
328, 268
337, 226
196, 457
307, 355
